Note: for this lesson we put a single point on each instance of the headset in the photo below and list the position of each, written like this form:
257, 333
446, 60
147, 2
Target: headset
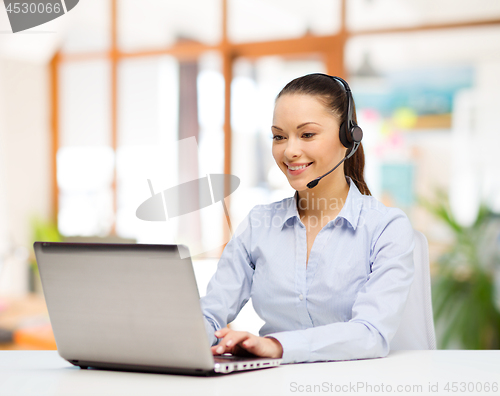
350, 133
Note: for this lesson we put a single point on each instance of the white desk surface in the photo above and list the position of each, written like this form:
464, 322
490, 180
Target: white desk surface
45, 373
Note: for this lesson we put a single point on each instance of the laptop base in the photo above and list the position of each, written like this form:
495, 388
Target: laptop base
223, 369
140, 368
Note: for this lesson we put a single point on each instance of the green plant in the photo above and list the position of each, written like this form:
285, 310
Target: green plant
41, 230
44, 230
464, 295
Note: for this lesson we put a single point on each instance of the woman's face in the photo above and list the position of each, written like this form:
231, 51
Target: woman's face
305, 133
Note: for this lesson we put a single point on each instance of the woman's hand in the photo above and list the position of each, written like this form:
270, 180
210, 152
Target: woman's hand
243, 343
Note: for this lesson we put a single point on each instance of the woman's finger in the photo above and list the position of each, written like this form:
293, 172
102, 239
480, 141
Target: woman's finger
222, 332
214, 350
230, 341
235, 342
255, 346
250, 343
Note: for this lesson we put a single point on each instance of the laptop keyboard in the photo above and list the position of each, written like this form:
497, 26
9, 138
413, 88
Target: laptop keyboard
232, 358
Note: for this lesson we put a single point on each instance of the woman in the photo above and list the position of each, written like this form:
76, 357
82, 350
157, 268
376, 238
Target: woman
328, 270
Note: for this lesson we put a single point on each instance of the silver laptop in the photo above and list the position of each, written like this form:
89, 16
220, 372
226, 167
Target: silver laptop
129, 307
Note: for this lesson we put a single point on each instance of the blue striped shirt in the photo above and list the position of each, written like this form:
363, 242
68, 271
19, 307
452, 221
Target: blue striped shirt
346, 303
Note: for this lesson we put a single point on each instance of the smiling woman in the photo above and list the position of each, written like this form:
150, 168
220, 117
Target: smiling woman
323, 98
305, 148
328, 270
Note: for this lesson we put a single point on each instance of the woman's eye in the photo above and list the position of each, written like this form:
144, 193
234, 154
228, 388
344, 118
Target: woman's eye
277, 137
309, 135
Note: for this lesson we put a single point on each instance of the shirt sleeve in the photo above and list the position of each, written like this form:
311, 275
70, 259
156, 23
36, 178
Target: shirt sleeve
377, 310
229, 288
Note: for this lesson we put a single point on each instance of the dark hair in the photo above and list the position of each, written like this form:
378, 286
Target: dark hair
334, 97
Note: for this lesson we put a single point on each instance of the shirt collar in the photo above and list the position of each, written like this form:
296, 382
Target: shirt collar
350, 211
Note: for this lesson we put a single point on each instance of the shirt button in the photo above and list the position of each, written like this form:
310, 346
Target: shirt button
301, 297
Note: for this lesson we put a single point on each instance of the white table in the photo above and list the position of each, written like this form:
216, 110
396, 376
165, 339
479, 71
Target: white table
45, 373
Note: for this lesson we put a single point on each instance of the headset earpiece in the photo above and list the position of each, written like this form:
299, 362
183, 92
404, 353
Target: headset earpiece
348, 137
344, 136
356, 133
350, 133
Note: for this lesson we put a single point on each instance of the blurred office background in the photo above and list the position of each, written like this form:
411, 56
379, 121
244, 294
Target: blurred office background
116, 92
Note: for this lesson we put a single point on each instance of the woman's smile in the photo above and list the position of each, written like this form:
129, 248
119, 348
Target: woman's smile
297, 169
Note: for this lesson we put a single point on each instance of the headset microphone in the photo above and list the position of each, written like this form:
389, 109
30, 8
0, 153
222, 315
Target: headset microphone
350, 133
313, 183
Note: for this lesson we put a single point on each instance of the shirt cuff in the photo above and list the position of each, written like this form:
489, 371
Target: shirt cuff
210, 330
295, 346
